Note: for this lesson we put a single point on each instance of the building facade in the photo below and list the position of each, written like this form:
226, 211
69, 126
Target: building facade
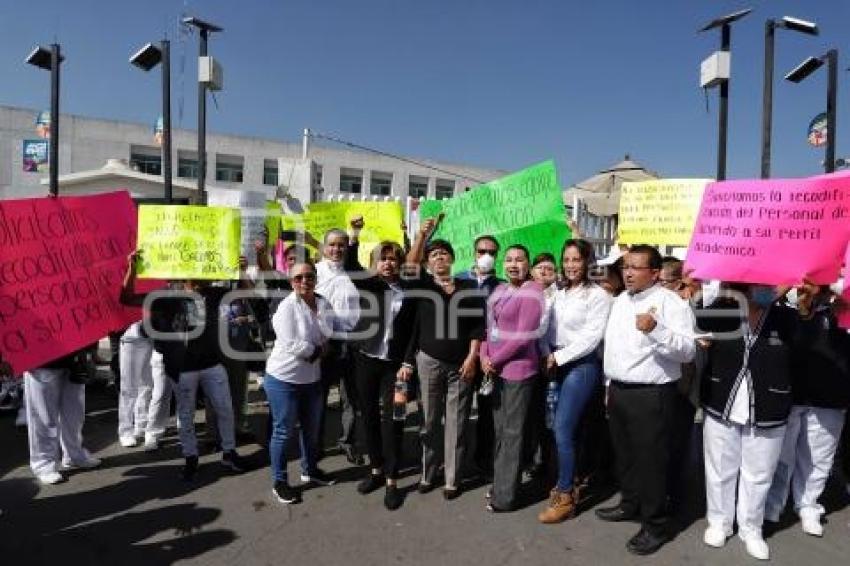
305, 170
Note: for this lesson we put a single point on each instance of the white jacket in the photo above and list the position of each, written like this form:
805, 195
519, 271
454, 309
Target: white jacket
334, 284
299, 332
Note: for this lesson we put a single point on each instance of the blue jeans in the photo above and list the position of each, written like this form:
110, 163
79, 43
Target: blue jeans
578, 381
292, 403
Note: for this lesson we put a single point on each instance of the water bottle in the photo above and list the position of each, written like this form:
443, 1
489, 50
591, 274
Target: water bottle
552, 393
400, 401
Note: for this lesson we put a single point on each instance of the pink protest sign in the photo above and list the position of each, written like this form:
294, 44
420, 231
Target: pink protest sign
844, 315
772, 231
62, 263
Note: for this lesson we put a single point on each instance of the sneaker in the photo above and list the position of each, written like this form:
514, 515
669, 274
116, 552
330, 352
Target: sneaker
715, 536
190, 468
285, 493
50, 478
231, 459
756, 547
393, 498
21, 419
128, 441
810, 521
370, 483
318, 477
424, 487
151, 443
89, 463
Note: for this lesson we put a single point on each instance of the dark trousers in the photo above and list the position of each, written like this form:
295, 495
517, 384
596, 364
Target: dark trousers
640, 417
339, 370
484, 440
510, 415
376, 386
680, 444
594, 452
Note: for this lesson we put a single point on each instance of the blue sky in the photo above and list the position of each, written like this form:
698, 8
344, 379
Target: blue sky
500, 83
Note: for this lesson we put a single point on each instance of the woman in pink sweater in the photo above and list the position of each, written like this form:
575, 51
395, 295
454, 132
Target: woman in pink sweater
510, 354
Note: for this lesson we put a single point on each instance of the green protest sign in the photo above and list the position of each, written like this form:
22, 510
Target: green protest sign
525, 208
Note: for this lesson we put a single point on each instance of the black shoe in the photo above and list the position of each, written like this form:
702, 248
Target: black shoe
370, 483
424, 488
318, 477
645, 543
233, 461
285, 493
190, 468
393, 498
616, 514
450, 493
351, 455
496, 509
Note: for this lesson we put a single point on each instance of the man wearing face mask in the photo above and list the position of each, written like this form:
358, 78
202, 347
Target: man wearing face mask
486, 250
746, 397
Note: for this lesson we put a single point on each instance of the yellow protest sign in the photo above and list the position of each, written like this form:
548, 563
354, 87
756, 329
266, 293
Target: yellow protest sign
272, 222
189, 242
383, 222
659, 212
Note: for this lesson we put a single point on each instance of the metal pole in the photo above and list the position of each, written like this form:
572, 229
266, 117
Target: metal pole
55, 59
202, 125
831, 96
767, 98
165, 47
723, 115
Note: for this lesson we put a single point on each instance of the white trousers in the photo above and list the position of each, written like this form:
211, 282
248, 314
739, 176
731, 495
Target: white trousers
134, 356
56, 409
811, 440
159, 409
739, 459
214, 382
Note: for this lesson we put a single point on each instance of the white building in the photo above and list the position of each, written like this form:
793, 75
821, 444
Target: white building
305, 170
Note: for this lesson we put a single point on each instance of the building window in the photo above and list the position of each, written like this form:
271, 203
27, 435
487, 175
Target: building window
270, 172
445, 189
350, 181
228, 168
380, 184
317, 181
187, 168
417, 187
150, 164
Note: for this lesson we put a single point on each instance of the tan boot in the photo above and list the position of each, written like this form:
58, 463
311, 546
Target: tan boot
561, 507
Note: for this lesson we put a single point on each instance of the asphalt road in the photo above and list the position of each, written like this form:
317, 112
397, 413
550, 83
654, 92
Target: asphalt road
136, 510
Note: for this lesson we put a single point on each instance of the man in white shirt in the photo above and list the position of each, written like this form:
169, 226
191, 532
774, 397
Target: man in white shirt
648, 337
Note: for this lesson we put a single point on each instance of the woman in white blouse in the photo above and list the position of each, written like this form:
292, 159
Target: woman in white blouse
302, 324
577, 326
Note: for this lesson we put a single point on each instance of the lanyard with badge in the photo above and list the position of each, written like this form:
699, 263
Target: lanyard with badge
496, 312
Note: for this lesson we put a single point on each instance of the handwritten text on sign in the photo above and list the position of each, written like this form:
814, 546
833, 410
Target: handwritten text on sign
62, 262
252, 209
660, 212
189, 242
775, 232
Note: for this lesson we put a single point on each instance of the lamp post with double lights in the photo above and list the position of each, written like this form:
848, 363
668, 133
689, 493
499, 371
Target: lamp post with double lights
205, 66
50, 59
146, 59
715, 72
806, 68
770, 27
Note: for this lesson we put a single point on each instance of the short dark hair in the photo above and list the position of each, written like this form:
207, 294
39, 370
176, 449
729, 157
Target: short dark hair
486, 237
585, 251
673, 265
655, 261
520, 247
439, 244
386, 246
544, 257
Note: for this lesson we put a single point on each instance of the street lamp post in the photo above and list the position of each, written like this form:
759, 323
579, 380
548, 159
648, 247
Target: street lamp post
806, 68
770, 26
50, 60
724, 23
146, 59
204, 29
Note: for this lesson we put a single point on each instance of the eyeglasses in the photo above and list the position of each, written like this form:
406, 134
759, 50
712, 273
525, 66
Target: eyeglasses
304, 277
488, 252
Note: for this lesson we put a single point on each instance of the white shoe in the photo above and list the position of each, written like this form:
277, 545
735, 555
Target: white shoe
811, 523
151, 443
50, 478
715, 536
88, 464
128, 441
756, 547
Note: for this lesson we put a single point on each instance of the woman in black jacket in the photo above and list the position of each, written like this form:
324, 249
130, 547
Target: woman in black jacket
820, 373
381, 336
746, 397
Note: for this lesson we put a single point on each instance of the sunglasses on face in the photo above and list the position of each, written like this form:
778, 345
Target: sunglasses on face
488, 252
304, 277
